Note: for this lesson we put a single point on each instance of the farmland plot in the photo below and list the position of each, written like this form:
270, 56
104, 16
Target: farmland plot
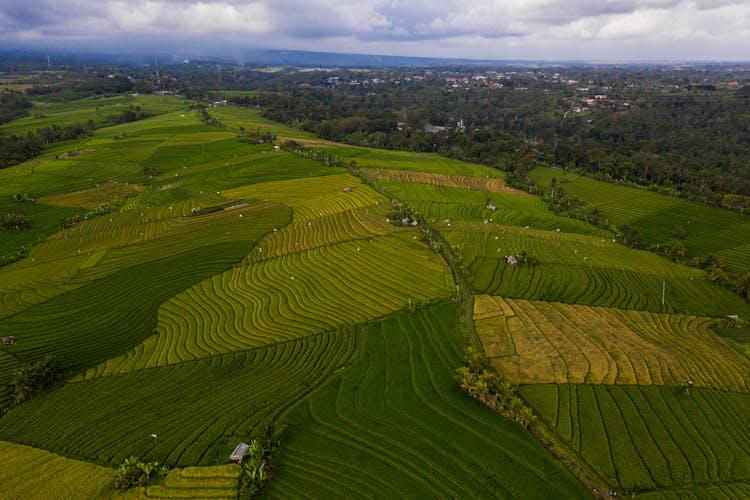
474, 183
190, 407
708, 230
395, 425
219, 481
32, 473
290, 297
642, 438
108, 316
585, 270
534, 342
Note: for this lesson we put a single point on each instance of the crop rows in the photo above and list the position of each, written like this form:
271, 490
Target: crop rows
290, 297
474, 183
589, 271
92, 198
201, 181
395, 425
727, 491
357, 224
99, 247
190, 407
642, 438
709, 230
312, 197
419, 162
108, 316
440, 203
540, 342
32, 473
219, 481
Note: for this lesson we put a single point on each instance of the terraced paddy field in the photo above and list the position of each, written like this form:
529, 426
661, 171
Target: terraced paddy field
108, 316
416, 162
235, 117
41, 221
191, 407
219, 481
474, 183
445, 206
643, 438
236, 284
286, 298
312, 198
396, 425
534, 342
586, 270
92, 198
45, 114
32, 473
709, 230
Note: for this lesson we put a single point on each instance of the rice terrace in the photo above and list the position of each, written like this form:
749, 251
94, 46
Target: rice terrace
184, 280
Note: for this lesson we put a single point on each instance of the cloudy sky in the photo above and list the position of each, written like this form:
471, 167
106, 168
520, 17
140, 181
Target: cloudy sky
595, 30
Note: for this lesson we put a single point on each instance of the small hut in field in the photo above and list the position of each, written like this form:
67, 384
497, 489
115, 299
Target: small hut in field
239, 452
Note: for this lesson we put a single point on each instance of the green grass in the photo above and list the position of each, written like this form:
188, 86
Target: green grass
578, 269
191, 407
709, 230
32, 473
644, 438
396, 425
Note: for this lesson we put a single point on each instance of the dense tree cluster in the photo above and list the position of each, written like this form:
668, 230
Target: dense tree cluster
13, 105
654, 128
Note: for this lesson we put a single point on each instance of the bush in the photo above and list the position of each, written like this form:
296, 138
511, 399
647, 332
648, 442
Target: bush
133, 472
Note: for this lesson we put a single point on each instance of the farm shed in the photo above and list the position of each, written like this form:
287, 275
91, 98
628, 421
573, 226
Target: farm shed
239, 452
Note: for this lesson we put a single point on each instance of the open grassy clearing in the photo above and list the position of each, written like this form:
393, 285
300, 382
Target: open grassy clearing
534, 342
709, 230
219, 481
395, 425
192, 407
32, 473
641, 438
474, 183
586, 270
46, 114
288, 298
448, 205
108, 316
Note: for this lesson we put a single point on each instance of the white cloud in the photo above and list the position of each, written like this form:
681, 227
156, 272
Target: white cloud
481, 28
